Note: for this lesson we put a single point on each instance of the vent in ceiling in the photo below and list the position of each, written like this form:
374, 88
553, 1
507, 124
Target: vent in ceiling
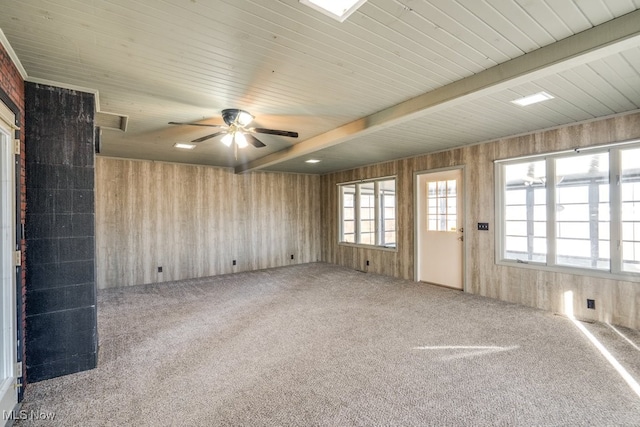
111, 121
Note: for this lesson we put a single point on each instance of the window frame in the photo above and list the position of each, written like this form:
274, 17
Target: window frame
379, 217
615, 270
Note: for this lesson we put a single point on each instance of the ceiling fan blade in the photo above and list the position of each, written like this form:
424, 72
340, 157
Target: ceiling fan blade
275, 132
204, 138
197, 124
254, 141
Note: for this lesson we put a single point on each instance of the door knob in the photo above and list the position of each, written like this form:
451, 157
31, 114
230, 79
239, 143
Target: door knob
461, 238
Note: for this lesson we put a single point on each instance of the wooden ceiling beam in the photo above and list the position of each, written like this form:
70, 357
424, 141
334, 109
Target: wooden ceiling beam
595, 43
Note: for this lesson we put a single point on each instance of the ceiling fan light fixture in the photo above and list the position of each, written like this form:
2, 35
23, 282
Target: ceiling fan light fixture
241, 140
244, 118
227, 139
236, 130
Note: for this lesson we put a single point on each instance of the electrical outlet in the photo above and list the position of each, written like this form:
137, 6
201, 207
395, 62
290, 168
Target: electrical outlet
591, 304
367, 262
484, 226
291, 256
159, 269
234, 262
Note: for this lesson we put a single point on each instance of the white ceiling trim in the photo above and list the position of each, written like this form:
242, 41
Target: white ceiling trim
12, 55
597, 42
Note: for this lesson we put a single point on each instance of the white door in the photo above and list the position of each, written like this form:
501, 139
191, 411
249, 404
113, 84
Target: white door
440, 238
8, 344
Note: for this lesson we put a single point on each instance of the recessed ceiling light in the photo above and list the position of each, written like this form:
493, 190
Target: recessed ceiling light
337, 9
312, 161
532, 99
184, 146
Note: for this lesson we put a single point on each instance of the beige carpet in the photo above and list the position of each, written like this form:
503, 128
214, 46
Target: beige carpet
322, 345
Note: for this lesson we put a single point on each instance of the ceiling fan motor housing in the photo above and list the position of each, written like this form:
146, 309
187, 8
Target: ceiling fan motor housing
236, 116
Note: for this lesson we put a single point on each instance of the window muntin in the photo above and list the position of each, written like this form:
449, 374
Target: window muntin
368, 213
577, 210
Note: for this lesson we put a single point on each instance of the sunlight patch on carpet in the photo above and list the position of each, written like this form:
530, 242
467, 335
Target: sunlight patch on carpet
568, 306
465, 351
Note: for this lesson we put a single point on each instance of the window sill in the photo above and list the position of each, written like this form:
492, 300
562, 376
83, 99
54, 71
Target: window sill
362, 246
627, 277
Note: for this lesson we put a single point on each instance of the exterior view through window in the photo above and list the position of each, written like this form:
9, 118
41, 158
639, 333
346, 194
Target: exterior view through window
525, 211
442, 206
368, 212
630, 207
577, 210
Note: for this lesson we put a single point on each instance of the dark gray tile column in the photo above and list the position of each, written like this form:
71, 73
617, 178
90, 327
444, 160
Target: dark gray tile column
61, 321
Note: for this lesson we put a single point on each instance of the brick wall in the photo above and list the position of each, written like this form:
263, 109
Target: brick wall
12, 94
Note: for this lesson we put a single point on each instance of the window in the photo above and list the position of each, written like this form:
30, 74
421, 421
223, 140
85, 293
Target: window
367, 217
368, 212
630, 210
348, 193
575, 210
525, 211
582, 211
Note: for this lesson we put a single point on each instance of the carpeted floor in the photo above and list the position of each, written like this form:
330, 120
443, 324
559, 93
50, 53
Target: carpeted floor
318, 344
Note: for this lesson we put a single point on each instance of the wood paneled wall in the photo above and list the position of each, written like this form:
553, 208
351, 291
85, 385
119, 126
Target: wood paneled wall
193, 221
616, 301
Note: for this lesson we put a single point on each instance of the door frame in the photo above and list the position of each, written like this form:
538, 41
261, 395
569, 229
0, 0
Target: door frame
417, 217
9, 191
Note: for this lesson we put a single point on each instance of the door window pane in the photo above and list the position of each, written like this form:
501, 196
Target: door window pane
442, 205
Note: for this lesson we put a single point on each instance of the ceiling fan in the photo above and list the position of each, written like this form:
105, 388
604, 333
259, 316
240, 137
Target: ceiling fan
236, 130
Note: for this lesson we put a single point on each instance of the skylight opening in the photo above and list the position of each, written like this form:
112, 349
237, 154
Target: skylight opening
336, 9
533, 99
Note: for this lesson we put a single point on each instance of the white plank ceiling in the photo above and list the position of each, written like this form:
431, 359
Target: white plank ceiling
397, 78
